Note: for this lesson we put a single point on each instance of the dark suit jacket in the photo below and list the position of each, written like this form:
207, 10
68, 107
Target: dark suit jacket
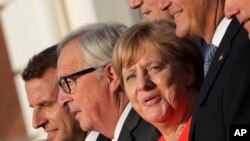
137, 129
102, 138
223, 99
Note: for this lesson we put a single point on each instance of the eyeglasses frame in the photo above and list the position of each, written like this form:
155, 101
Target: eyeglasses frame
70, 76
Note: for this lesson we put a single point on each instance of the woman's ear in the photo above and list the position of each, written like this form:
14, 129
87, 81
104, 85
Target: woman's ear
190, 76
112, 77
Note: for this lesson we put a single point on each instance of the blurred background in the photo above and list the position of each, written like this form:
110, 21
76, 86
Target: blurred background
26, 28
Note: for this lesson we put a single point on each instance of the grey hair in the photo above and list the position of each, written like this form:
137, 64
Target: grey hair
96, 41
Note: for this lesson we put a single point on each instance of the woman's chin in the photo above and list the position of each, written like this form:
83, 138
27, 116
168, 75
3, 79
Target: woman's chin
155, 118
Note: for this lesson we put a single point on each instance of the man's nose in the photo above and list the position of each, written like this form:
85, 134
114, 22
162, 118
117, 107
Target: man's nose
230, 10
133, 4
63, 98
39, 119
163, 4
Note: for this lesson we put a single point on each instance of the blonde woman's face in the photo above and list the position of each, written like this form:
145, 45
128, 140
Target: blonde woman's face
155, 87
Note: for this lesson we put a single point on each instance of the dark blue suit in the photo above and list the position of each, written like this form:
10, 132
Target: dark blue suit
223, 99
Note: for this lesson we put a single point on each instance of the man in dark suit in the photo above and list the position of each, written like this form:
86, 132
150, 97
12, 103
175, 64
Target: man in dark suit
223, 99
94, 94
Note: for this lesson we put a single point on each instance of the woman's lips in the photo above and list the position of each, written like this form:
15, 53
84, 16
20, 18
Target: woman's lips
152, 100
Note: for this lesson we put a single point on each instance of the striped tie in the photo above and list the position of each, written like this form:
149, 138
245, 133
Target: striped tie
209, 57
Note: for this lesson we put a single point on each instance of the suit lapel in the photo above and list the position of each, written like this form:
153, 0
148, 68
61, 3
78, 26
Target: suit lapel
218, 60
129, 125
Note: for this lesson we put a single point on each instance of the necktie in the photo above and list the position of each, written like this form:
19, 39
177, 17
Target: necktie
209, 57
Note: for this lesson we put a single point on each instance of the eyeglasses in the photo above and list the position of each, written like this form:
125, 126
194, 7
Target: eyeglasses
68, 83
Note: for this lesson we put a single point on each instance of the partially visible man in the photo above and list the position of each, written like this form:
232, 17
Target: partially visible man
192, 18
150, 9
222, 101
158, 10
40, 78
91, 88
239, 9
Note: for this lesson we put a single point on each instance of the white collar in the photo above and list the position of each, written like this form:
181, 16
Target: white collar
92, 136
220, 31
121, 121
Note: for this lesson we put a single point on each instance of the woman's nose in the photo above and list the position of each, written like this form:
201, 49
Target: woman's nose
144, 82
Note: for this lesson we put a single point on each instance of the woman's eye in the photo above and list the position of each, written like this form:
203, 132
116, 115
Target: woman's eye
155, 68
129, 77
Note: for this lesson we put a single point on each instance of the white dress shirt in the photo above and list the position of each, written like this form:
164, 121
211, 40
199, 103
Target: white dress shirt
92, 136
220, 31
121, 121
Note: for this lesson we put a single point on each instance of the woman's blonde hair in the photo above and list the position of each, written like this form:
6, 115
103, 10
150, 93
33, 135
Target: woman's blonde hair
159, 34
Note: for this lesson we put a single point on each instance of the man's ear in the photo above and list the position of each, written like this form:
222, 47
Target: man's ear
113, 78
190, 76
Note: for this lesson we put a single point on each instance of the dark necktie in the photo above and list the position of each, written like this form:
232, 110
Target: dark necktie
209, 57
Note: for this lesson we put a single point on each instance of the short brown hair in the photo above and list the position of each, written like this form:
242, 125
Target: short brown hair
40, 63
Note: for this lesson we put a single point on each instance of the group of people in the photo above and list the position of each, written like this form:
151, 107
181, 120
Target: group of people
182, 74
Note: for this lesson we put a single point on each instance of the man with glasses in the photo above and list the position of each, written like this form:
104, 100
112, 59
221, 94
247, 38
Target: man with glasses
90, 87
40, 78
